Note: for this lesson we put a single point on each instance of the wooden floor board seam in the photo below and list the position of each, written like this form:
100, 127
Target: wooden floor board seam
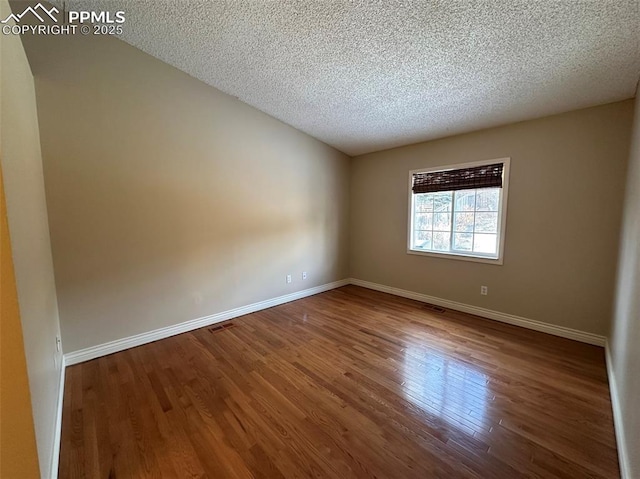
348, 383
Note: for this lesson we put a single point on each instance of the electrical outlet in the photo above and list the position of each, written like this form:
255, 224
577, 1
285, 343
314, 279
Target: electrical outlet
288, 278
484, 290
304, 275
58, 344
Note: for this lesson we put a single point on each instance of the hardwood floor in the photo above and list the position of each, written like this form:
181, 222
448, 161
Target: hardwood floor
348, 383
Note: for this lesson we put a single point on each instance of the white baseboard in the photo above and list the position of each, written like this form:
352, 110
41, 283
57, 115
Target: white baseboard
93, 352
618, 422
561, 331
55, 458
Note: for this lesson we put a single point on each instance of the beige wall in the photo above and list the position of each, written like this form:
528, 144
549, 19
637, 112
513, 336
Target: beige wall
169, 200
625, 332
29, 231
565, 200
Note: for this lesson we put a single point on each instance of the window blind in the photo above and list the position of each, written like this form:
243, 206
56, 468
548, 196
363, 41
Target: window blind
486, 176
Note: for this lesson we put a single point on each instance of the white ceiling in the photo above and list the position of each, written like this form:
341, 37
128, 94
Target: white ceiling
369, 75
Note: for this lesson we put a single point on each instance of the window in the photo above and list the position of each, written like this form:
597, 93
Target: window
459, 211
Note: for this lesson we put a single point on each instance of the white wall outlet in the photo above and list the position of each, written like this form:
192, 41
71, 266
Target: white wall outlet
288, 278
58, 344
484, 290
304, 275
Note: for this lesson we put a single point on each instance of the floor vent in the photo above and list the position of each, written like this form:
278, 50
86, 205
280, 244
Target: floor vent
222, 327
433, 307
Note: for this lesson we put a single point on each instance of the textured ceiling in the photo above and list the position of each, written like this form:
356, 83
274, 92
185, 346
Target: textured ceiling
369, 75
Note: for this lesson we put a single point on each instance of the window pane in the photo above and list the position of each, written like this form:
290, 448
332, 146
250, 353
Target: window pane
423, 221
487, 199
463, 241
463, 222
486, 223
442, 221
485, 243
465, 200
422, 239
441, 241
442, 201
424, 202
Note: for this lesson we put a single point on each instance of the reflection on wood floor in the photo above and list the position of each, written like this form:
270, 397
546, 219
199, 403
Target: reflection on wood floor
348, 383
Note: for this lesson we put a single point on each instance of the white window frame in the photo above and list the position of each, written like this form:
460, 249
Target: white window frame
502, 216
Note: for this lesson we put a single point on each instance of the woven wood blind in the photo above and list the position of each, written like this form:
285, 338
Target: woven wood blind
487, 176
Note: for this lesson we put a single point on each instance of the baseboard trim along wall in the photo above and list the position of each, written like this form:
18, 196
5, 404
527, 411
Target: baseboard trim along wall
55, 458
93, 352
618, 422
561, 331
100, 350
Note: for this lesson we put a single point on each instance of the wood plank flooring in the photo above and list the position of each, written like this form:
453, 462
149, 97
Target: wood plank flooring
348, 383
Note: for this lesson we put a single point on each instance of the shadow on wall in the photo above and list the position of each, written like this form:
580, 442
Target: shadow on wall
145, 231
169, 200
165, 243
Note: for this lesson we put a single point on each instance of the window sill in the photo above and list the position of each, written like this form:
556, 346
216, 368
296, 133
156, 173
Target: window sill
476, 259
